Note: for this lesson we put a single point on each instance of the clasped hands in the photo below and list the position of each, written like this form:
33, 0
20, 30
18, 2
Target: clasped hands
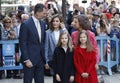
85, 75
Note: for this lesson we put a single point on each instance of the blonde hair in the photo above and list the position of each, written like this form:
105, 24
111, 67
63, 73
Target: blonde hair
88, 43
69, 44
6, 19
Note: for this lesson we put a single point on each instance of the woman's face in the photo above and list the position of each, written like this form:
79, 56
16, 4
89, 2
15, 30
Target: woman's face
83, 38
8, 23
56, 22
89, 10
113, 10
75, 23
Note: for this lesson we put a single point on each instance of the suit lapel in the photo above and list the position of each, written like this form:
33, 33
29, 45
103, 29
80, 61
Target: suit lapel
33, 28
42, 29
53, 38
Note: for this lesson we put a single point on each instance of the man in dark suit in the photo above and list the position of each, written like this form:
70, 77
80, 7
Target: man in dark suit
31, 38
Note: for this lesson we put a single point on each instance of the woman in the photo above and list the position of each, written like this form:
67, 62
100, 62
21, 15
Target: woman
52, 37
7, 33
81, 22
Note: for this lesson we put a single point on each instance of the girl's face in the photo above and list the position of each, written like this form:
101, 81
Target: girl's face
83, 38
64, 39
56, 22
75, 23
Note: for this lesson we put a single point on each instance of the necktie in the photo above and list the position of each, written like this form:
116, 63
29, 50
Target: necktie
39, 30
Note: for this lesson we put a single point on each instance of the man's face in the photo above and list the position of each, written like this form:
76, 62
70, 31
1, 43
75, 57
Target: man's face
43, 14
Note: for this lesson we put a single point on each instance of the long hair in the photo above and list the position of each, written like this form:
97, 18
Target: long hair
69, 44
88, 43
53, 17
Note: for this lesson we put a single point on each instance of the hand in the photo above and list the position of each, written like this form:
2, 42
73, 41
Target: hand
96, 66
62, 25
85, 75
17, 57
71, 79
58, 78
29, 64
47, 66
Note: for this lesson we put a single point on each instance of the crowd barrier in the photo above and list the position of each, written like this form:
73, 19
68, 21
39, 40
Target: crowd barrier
8, 55
108, 63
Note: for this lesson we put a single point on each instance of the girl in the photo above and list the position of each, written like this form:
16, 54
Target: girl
80, 25
52, 36
85, 60
63, 60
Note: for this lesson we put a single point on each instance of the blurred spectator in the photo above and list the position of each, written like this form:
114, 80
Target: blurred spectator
21, 9
95, 21
7, 31
76, 9
103, 30
94, 3
89, 11
7, 34
82, 10
115, 32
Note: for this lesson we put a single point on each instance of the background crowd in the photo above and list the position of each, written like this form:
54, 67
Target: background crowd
104, 20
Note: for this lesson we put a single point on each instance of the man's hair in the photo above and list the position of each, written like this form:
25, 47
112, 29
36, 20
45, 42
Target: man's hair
39, 7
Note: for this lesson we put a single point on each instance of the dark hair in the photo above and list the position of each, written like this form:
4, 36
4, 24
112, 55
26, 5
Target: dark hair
39, 7
83, 21
55, 16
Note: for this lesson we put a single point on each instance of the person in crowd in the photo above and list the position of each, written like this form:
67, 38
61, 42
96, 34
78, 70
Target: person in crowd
95, 21
31, 41
89, 11
52, 37
7, 33
62, 62
16, 73
115, 32
85, 60
79, 24
103, 30
82, 10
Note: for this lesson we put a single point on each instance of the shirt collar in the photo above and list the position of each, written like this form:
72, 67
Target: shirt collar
35, 19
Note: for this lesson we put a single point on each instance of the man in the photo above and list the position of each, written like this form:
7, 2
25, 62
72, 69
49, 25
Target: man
31, 38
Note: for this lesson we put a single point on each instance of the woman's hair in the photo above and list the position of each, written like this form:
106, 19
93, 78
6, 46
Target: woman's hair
53, 17
83, 21
88, 43
69, 44
103, 26
7, 18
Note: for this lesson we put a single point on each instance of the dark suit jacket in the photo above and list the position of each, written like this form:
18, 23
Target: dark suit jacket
30, 46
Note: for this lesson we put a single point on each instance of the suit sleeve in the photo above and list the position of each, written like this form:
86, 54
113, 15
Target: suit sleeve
23, 42
46, 46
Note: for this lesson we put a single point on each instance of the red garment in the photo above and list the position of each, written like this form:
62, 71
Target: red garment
85, 62
92, 39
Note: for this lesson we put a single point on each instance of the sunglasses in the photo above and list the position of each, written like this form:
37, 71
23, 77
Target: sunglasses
8, 22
